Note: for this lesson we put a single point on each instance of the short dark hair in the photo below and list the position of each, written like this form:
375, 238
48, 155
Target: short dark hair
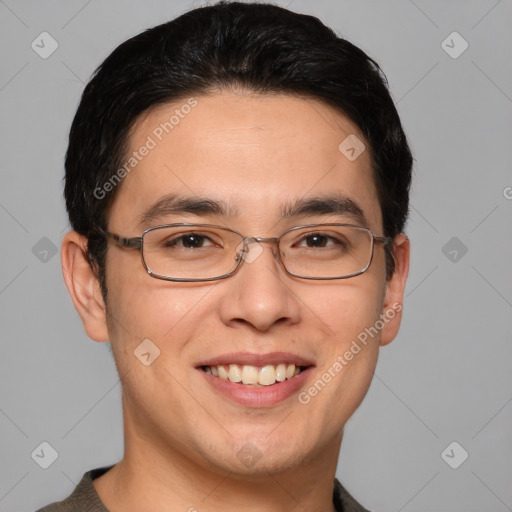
260, 47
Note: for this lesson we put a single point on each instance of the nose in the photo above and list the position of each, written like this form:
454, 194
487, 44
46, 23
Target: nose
260, 293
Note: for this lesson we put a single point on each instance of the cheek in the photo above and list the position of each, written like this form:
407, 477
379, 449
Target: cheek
348, 313
137, 309
142, 307
347, 307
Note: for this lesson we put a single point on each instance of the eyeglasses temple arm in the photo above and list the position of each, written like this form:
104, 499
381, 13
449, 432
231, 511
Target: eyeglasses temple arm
131, 243
383, 240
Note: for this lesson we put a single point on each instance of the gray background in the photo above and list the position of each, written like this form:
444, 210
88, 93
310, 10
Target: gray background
445, 378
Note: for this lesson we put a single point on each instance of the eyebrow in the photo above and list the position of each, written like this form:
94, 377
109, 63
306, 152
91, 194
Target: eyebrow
333, 204
196, 205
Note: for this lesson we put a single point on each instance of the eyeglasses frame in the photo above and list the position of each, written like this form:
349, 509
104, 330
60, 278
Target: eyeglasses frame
137, 243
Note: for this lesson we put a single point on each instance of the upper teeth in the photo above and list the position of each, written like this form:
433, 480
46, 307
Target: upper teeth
247, 374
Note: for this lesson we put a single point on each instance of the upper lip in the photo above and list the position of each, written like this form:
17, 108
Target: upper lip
250, 358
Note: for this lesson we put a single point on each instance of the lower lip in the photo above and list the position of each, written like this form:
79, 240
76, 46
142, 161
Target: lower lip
263, 396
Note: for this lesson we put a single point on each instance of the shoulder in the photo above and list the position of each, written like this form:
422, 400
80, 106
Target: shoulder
83, 498
343, 501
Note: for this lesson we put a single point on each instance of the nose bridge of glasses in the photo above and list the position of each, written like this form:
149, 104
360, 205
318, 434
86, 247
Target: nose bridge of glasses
245, 252
260, 240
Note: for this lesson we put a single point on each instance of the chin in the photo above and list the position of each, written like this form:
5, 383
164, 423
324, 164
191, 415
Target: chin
259, 454
263, 465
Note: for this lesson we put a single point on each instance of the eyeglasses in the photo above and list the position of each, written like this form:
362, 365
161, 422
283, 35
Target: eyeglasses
206, 252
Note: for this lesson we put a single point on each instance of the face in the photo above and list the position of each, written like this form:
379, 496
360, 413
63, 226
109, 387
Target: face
255, 155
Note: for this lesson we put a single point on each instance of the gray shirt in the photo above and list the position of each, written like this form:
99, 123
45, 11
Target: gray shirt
85, 498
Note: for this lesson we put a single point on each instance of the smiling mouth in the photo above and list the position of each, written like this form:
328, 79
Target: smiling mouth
257, 376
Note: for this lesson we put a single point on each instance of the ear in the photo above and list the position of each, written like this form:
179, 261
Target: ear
83, 286
395, 287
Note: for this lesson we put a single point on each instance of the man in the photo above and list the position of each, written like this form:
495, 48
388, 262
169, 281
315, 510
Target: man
237, 180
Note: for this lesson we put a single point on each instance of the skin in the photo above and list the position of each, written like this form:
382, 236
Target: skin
182, 436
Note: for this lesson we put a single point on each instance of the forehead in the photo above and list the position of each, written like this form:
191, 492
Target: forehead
255, 153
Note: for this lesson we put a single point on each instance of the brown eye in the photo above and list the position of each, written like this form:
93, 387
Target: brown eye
188, 241
316, 240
